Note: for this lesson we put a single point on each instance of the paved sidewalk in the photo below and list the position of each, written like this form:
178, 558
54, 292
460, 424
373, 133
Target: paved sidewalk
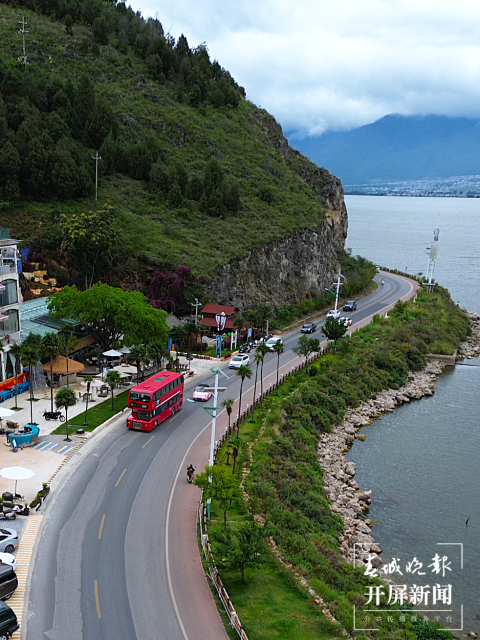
24, 555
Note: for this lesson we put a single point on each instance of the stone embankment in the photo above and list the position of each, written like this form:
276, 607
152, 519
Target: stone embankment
341, 488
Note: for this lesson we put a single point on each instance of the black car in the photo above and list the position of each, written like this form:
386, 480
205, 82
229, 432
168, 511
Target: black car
8, 583
309, 327
351, 305
8, 621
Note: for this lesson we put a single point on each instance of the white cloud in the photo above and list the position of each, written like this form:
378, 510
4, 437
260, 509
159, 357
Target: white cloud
318, 64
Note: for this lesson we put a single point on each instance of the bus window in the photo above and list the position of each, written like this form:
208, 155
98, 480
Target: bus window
144, 415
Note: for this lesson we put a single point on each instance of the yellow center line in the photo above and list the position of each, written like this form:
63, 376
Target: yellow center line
148, 442
175, 416
101, 527
118, 481
97, 601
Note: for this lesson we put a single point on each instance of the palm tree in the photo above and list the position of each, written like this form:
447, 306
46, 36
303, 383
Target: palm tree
50, 349
137, 355
244, 371
65, 398
263, 349
88, 380
157, 351
228, 405
68, 343
112, 379
177, 335
16, 351
30, 355
279, 349
258, 359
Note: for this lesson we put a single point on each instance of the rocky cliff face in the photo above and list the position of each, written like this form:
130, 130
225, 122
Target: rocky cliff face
297, 266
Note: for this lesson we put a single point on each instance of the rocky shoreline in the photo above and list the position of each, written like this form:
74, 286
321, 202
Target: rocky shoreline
341, 488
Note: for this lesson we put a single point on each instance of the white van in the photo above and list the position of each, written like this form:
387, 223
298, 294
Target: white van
271, 342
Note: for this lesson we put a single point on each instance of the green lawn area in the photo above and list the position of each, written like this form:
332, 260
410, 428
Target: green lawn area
271, 606
98, 413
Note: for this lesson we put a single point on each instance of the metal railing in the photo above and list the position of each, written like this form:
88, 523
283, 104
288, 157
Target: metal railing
214, 575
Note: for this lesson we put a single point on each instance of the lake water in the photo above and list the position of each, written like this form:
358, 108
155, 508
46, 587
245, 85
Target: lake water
421, 461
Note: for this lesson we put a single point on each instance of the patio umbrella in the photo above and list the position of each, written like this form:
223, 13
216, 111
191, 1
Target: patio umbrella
125, 350
17, 473
112, 354
93, 383
5, 413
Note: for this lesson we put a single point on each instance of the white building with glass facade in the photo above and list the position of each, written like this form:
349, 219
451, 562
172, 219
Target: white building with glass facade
10, 299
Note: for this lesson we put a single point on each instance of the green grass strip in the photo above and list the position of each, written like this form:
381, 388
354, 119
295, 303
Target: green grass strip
98, 413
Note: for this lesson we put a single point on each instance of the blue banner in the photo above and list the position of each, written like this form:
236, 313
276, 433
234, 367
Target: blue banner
219, 347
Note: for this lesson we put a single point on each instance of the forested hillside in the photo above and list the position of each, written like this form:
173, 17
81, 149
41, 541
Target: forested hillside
191, 173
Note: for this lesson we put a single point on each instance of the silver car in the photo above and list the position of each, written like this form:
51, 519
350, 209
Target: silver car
8, 540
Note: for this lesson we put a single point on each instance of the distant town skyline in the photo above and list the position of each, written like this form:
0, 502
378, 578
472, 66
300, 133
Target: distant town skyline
338, 64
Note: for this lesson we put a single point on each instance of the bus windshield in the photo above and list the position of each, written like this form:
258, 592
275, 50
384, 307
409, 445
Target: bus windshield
143, 397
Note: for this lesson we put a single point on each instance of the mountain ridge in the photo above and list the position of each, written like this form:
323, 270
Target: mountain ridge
398, 147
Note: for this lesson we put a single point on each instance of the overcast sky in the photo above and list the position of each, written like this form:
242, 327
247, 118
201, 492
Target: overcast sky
338, 64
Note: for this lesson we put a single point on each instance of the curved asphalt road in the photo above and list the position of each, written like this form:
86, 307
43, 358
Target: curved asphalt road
117, 557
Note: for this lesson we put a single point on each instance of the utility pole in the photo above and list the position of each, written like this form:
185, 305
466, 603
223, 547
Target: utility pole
23, 31
96, 157
196, 305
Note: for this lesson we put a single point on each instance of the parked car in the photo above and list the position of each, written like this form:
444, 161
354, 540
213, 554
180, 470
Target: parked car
8, 540
8, 582
346, 321
271, 342
7, 558
309, 327
201, 394
334, 314
8, 621
351, 305
237, 361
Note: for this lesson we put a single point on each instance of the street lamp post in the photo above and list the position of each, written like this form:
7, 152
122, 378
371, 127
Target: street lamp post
221, 319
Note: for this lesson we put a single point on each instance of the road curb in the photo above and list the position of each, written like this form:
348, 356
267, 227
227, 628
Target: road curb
24, 556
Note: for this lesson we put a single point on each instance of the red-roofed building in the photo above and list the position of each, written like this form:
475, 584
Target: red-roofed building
209, 312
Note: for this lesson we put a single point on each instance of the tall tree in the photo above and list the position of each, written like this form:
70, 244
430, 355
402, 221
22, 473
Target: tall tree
88, 380
279, 349
307, 346
262, 349
30, 357
112, 379
177, 334
240, 549
110, 313
65, 398
91, 241
68, 343
227, 404
244, 371
137, 355
50, 350
258, 359
334, 330
219, 485
16, 352
158, 351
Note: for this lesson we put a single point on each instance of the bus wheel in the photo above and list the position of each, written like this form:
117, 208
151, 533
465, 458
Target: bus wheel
156, 423
173, 411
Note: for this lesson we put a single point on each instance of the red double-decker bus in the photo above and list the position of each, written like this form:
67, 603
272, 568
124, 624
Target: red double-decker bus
155, 400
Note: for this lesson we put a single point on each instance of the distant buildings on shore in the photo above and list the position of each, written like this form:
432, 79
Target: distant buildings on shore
454, 187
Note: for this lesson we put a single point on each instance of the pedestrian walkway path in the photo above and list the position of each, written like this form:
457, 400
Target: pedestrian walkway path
24, 556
